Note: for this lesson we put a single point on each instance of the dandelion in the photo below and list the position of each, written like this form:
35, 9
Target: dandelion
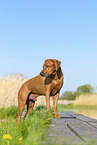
20, 138
7, 136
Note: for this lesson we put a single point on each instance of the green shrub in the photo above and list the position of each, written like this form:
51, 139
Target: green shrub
70, 95
87, 88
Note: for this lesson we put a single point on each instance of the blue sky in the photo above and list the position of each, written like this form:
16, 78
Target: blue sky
34, 30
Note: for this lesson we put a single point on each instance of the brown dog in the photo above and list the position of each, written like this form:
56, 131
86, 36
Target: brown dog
48, 83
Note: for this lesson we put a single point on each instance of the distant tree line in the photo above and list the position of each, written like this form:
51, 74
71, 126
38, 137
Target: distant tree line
71, 95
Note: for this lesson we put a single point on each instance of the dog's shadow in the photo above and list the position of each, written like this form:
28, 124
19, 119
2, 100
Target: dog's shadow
68, 117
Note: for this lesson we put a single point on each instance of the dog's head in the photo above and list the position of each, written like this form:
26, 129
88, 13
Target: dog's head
50, 66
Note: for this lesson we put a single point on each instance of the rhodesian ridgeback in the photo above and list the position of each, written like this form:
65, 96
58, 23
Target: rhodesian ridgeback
48, 83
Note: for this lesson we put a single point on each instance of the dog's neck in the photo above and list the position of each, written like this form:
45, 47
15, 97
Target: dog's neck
58, 74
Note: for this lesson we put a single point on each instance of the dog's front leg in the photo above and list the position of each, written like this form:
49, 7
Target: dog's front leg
47, 95
55, 100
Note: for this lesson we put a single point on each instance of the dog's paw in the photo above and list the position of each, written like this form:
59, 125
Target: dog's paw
56, 116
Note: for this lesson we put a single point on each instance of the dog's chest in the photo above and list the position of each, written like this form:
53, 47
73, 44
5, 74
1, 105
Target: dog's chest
56, 82
55, 86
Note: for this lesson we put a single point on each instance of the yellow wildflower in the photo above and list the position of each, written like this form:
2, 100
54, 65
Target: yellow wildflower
7, 136
20, 138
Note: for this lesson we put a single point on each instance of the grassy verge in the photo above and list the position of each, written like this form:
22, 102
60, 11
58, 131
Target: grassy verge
84, 110
73, 107
63, 108
30, 132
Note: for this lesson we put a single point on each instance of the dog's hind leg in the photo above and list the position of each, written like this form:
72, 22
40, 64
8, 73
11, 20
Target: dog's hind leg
30, 106
30, 103
21, 106
20, 110
22, 98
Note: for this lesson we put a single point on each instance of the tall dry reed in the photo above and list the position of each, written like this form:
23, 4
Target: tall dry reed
88, 100
9, 87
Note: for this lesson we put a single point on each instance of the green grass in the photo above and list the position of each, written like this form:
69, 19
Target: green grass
63, 108
32, 132
71, 107
9, 112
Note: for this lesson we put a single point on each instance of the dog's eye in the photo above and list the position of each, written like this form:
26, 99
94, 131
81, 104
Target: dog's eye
46, 66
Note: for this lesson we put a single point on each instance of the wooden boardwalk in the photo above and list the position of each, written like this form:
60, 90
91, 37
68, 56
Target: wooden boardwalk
72, 128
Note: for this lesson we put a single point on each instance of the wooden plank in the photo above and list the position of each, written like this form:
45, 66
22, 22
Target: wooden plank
93, 123
86, 131
72, 128
86, 119
59, 133
87, 126
80, 116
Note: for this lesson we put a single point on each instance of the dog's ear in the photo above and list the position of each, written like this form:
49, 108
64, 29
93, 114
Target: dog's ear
57, 63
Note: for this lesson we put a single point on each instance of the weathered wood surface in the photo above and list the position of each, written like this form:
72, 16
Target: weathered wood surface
72, 128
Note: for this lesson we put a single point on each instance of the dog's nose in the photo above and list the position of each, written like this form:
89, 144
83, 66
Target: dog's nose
41, 73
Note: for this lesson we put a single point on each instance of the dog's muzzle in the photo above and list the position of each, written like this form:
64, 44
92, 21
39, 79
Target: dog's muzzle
42, 74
